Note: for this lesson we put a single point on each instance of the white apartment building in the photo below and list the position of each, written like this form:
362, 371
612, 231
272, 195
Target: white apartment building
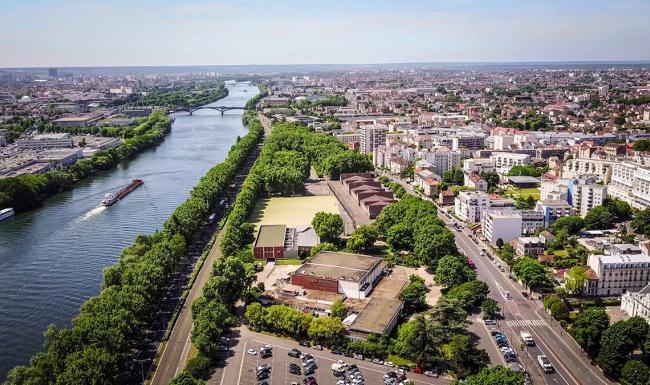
62, 140
478, 165
501, 224
443, 159
372, 136
580, 166
585, 197
631, 183
531, 220
469, 205
504, 161
619, 273
502, 142
553, 210
637, 303
555, 186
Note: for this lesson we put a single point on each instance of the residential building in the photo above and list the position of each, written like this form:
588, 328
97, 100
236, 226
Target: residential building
443, 159
637, 303
3, 138
631, 183
578, 166
529, 246
619, 273
584, 194
475, 181
469, 205
553, 209
372, 136
531, 221
501, 224
504, 161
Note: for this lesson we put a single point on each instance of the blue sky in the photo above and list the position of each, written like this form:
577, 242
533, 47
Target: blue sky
201, 32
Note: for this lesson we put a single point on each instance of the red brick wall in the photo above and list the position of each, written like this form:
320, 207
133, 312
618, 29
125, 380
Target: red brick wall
315, 283
268, 252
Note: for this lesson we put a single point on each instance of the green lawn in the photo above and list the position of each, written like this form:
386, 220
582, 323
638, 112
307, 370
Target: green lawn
514, 192
288, 262
397, 360
561, 253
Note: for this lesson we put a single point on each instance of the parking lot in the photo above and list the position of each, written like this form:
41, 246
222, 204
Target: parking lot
280, 361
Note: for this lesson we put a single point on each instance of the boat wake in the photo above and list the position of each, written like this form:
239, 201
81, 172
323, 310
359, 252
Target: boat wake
92, 213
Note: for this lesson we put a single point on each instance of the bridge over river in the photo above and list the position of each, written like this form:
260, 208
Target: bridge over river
221, 109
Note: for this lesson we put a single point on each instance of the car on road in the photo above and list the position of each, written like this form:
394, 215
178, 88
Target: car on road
496, 333
527, 338
545, 363
252, 352
295, 353
490, 322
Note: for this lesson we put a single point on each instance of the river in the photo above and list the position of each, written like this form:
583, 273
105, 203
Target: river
52, 258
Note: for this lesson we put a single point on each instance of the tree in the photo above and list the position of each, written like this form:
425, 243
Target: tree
548, 301
497, 375
507, 252
491, 177
420, 340
400, 237
325, 330
414, 295
528, 170
255, 314
571, 224
635, 373
499, 242
615, 350
490, 308
211, 323
452, 271
464, 357
90, 366
432, 243
323, 246
642, 145
576, 279
199, 367
469, 294
599, 218
328, 226
637, 329
184, 378
560, 311
362, 239
641, 222
621, 210
339, 309
589, 328
532, 273
454, 177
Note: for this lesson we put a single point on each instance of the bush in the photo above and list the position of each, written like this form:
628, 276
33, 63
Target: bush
199, 367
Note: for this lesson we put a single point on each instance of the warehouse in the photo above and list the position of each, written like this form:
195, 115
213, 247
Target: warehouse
350, 274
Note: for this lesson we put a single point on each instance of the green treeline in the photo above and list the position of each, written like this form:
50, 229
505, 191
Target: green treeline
282, 169
252, 102
98, 348
190, 95
28, 191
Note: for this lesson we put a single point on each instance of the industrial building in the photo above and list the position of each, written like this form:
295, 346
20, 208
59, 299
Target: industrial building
278, 241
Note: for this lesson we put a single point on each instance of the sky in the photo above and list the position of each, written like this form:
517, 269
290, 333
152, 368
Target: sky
60, 33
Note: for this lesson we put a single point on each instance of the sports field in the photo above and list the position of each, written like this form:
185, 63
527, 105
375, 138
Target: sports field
514, 192
292, 211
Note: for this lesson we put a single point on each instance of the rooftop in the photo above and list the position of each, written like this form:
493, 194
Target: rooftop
336, 265
376, 317
271, 236
624, 258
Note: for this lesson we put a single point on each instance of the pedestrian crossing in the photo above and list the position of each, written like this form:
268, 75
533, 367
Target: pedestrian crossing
515, 322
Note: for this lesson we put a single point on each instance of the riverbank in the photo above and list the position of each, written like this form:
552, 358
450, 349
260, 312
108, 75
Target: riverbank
51, 259
27, 192
98, 348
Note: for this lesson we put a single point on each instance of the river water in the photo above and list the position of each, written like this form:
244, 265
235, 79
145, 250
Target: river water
52, 258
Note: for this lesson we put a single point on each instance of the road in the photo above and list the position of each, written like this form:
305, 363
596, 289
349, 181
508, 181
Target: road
572, 366
177, 349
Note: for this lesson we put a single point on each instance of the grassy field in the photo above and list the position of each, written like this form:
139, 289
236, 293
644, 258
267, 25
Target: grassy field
514, 192
288, 262
292, 211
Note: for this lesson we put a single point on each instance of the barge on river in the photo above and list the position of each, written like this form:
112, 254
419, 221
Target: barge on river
112, 198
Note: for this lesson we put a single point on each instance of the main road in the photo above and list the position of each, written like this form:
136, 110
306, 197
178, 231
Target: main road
572, 366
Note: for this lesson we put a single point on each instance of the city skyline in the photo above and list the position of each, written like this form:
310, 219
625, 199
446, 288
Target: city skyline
165, 33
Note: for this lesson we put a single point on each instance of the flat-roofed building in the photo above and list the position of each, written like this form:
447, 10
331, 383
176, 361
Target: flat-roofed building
501, 224
529, 246
81, 120
344, 273
379, 316
62, 140
637, 303
469, 205
269, 243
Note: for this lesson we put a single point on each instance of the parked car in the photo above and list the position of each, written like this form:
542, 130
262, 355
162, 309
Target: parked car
378, 361
294, 353
389, 364
304, 343
358, 356
336, 351
430, 373
252, 352
265, 353
318, 347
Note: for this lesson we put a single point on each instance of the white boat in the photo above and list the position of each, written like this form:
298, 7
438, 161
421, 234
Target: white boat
6, 213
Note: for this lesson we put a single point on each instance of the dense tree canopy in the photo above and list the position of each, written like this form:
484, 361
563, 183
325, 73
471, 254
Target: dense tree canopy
532, 273
362, 239
599, 218
589, 328
497, 375
329, 227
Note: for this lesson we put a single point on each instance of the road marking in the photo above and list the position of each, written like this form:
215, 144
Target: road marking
241, 365
183, 353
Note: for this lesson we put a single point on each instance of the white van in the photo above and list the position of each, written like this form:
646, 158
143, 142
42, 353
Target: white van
527, 338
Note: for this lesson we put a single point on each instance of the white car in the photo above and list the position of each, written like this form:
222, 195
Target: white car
267, 347
430, 373
318, 347
389, 364
377, 361
358, 356
252, 352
